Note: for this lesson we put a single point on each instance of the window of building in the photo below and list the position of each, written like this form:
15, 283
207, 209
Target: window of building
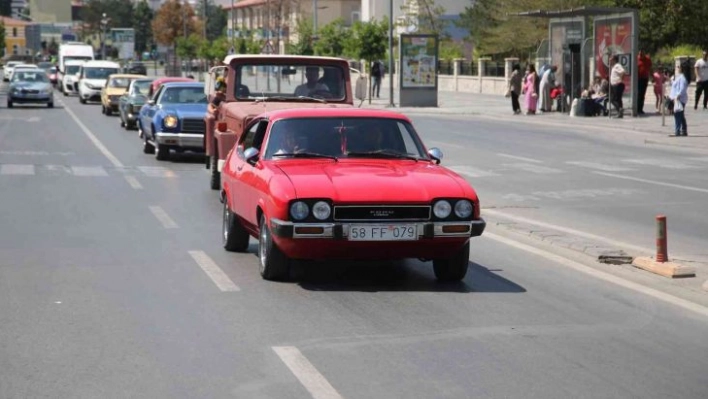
14, 32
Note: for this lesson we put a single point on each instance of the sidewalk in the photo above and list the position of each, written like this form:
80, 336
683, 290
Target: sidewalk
647, 128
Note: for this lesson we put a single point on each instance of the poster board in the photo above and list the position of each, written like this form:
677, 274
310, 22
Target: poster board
418, 66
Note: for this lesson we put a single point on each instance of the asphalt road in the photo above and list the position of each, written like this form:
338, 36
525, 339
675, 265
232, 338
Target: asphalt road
114, 283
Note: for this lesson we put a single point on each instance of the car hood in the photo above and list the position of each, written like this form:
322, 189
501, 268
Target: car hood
115, 91
186, 110
373, 180
95, 82
30, 85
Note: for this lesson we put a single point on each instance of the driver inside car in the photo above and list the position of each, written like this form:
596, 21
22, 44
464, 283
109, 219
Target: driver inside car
286, 141
312, 86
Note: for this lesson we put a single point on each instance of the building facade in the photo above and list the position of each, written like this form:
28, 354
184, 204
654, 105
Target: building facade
50, 11
15, 38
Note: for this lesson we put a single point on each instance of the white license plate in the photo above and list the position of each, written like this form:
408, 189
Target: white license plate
383, 232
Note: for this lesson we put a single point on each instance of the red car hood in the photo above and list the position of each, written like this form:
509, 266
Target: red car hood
380, 181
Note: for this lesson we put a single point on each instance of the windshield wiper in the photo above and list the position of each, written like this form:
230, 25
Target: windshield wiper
304, 155
312, 99
383, 154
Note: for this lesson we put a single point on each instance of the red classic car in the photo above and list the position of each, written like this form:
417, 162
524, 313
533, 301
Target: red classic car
322, 183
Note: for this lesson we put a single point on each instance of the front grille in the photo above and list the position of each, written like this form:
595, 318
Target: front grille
193, 126
381, 212
27, 91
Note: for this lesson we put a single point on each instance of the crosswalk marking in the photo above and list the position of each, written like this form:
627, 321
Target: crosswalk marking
471, 171
601, 166
88, 171
156, 171
13, 169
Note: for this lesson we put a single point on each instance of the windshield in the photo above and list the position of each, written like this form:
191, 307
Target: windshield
344, 137
72, 69
290, 81
119, 82
183, 95
99, 73
141, 87
30, 76
80, 58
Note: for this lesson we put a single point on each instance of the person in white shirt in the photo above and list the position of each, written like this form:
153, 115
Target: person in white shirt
701, 68
617, 85
311, 87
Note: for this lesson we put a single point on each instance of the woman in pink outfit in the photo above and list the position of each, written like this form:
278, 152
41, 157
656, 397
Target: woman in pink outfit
659, 79
531, 97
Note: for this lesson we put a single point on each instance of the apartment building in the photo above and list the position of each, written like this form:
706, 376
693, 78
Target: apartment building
15, 36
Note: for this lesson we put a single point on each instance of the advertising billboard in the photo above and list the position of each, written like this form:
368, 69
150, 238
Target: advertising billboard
613, 36
419, 55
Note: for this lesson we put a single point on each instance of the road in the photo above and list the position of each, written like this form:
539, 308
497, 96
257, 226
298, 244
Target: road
114, 283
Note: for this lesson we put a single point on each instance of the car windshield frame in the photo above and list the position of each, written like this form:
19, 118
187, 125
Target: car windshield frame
99, 73
176, 95
279, 82
21, 76
353, 137
118, 83
72, 69
142, 85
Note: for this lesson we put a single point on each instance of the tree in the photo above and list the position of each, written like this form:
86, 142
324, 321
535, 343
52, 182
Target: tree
304, 44
53, 47
369, 41
120, 13
142, 16
333, 39
174, 19
216, 19
6, 8
2, 39
425, 15
187, 47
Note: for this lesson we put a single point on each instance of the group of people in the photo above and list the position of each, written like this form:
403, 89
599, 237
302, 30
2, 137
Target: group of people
539, 93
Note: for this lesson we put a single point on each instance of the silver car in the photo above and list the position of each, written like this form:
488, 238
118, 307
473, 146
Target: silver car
30, 86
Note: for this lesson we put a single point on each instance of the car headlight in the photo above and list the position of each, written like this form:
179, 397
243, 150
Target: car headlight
299, 210
463, 209
442, 209
170, 121
321, 210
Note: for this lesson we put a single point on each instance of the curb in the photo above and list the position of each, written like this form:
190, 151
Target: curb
666, 269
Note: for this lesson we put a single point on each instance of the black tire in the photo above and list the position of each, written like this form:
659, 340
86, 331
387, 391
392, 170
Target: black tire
215, 178
109, 111
82, 101
234, 236
66, 94
103, 109
122, 124
9, 104
453, 268
162, 152
147, 147
272, 263
50, 104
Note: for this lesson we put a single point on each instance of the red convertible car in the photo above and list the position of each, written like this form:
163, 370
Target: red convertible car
327, 183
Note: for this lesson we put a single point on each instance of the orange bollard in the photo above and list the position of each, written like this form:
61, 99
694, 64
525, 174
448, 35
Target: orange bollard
662, 252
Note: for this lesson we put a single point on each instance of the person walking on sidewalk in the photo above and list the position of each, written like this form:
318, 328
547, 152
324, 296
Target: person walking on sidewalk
643, 72
548, 82
679, 93
376, 74
617, 84
514, 89
702, 80
529, 90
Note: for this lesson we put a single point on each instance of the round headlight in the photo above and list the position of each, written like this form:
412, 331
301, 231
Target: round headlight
170, 121
321, 210
463, 209
299, 210
442, 209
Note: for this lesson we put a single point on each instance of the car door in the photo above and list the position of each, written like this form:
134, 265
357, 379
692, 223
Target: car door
237, 169
253, 175
150, 109
123, 100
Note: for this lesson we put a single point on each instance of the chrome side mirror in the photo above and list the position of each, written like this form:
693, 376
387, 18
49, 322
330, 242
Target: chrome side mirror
436, 154
251, 155
151, 102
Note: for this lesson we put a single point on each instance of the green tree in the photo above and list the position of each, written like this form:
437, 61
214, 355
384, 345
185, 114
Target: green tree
304, 44
120, 13
142, 17
2, 39
216, 19
174, 20
369, 41
53, 47
333, 39
188, 47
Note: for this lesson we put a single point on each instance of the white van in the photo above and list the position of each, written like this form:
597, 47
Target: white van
71, 73
92, 78
76, 51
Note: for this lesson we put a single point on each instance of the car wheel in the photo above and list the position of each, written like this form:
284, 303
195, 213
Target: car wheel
140, 129
272, 262
162, 152
50, 104
215, 180
235, 237
453, 268
9, 103
147, 147
82, 100
122, 124
66, 94
109, 111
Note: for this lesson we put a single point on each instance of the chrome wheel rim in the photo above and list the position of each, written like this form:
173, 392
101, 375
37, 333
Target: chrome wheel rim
263, 238
225, 222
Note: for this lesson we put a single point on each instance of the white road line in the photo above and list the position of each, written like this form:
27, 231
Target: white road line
658, 183
306, 373
12, 169
214, 271
156, 171
94, 139
88, 171
601, 166
703, 311
574, 232
537, 169
519, 158
134, 182
661, 163
163, 217
470, 171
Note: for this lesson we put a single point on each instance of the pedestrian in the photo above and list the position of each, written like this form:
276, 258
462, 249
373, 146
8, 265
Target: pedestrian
376, 74
659, 78
617, 84
548, 83
531, 96
701, 68
514, 89
679, 93
643, 72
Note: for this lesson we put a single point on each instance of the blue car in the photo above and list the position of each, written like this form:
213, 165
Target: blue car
173, 119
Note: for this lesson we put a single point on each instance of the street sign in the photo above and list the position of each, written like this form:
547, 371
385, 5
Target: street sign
267, 48
626, 61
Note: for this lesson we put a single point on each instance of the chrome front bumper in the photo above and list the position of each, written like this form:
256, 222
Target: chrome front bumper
184, 140
426, 230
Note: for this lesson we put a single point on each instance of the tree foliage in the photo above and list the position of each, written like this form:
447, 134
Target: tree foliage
119, 12
304, 44
187, 47
369, 41
216, 19
2, 38
332, 39
142, 17
425, 16
172, 21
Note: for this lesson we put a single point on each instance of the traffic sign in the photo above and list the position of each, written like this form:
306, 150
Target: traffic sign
626, 61
267, 48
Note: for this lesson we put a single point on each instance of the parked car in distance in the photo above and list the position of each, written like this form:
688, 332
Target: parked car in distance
136, 68
116, 86
330, 184
174, 119
30, 86
132, 100
8, 68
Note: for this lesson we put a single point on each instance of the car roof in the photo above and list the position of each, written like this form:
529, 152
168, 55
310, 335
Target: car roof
229, 58
26, 66
184, 84
33, 70
159, 81
125, 75
290, 113
100, 64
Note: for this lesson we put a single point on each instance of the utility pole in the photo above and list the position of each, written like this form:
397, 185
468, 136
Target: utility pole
104, 25
233, 26
314, 25
390, 54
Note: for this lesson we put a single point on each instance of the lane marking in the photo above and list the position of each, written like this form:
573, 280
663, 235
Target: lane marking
222, 281
14, 169
444, 144
519, 158
156, 171
658, 183
578, 233
662, 296
537, 169
88, 171
163, 217
601, 166
662, 163
470, 171
134, 183
315, 383
104, 150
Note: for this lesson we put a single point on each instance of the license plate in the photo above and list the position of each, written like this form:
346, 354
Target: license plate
383, 232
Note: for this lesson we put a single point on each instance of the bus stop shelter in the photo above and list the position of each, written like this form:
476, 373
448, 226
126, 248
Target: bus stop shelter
581, 56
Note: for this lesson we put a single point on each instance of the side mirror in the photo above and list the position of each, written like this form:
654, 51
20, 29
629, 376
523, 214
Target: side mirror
251, 155
221, 126
436, 154
151, 102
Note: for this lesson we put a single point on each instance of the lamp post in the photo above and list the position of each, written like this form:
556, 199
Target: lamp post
104, 25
